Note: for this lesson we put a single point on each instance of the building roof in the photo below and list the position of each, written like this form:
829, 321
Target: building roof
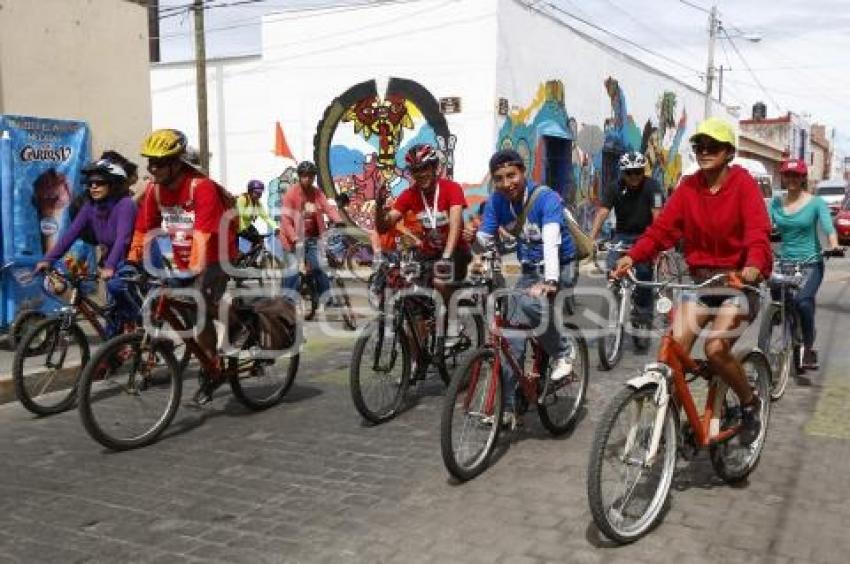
767, 121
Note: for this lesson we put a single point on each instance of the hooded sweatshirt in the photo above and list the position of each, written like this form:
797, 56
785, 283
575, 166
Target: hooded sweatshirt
728, 230
111, 220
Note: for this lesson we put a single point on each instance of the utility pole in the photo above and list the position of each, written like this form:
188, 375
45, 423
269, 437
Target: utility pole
713, 24
720, 83
153, 31
201, 85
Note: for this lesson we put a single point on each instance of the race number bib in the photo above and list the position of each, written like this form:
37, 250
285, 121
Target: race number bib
179, 223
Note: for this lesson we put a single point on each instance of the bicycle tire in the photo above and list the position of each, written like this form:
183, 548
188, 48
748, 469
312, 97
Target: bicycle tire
95, 381
347, 313
612, 526
466, 383
24, 321
396, 383
354, 266
611, 353
272, 397
719, 452
52, 332
782, 363
565, 422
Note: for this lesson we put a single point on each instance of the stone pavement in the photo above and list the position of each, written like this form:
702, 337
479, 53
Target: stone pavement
307, 481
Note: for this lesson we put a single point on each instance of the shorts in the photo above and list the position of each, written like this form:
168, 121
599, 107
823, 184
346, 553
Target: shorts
715, 298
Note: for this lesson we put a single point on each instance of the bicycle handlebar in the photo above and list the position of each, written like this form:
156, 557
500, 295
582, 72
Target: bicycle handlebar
731, 278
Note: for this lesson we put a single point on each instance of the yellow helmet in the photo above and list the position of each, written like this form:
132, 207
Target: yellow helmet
718, 129
164, 143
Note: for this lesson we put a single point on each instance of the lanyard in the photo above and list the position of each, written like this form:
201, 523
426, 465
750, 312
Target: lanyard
432, 214
524, 200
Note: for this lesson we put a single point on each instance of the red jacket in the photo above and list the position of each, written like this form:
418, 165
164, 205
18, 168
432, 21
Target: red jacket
727, 230
292, 214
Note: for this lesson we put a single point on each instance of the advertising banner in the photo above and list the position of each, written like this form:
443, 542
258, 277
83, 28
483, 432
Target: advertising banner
40, 162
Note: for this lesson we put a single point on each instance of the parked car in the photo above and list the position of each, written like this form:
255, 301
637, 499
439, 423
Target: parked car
834, 192
842, 222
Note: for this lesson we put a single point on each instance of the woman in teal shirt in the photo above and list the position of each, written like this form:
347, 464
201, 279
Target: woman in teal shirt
796, 217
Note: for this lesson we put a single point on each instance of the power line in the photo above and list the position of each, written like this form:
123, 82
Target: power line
695, 6
750, 70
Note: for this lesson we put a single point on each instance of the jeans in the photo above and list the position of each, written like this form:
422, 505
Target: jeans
527, 311
805, 300
126, 301
311, 257
643, 271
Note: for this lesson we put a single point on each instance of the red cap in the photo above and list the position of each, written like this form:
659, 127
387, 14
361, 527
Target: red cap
794, 166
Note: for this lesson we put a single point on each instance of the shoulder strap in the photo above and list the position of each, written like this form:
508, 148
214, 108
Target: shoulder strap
523, 215
156, 196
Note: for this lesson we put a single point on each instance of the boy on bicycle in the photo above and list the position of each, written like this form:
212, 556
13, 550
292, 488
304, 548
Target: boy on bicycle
535, 215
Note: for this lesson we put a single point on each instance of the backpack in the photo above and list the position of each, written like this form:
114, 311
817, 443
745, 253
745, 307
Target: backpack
583, 243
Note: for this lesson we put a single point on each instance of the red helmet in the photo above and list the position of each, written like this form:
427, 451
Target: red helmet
420, 156
794, 166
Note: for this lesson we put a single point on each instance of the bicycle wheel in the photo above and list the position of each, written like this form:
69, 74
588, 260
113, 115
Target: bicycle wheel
260, 383
358, 260
47, 366
344, 302
732, 460
309, 296
22, 324
610, 343
472, 415
561, 404
627, 498
776, 342
380, 372
130, 391
464, 336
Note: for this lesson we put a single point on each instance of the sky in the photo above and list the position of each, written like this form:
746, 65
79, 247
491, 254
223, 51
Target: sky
800, 63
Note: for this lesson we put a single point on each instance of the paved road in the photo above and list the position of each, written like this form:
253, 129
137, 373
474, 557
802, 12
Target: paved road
308, 482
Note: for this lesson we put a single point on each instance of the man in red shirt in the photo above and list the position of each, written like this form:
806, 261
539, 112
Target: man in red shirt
186, 204
438, 204
303, 208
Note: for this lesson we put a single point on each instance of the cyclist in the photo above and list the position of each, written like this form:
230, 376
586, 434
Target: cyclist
193, 211
796, 217
545, 250
636, 200
302, 210
720, 214
250, 208
107, 213
438, 204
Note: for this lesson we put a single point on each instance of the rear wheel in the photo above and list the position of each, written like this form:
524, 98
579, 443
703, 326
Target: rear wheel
610, 343
309, 296
732, 460
344, 303
777, 343
626, 497
260, 383
380, 372
47, 366
472, 415
561, 405
22, 324
130, 391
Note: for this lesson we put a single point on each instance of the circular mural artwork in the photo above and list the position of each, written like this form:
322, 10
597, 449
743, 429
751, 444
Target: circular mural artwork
363, 136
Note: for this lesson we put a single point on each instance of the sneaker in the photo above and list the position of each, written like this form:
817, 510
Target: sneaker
205, 392
563, 368
750, 421
810, 359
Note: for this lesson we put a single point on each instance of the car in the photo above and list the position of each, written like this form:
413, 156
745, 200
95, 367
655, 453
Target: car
833, 192
842, 222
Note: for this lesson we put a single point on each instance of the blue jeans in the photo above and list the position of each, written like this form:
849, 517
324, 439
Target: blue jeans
805, 300
311, 257
524, 310
643, 271
126, 301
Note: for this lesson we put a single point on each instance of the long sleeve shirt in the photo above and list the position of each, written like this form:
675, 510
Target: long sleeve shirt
292, 214
249, 212
110, 220
726, 230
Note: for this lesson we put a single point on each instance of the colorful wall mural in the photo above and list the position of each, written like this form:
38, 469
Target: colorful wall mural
363, 135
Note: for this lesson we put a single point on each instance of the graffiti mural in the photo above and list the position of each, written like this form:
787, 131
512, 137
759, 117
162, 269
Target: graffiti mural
364, 134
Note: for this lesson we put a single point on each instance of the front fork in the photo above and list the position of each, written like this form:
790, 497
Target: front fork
661, 400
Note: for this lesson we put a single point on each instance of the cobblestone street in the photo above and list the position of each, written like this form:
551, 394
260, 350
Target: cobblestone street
307, 481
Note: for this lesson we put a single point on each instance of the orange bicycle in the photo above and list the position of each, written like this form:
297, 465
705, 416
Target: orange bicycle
634, 452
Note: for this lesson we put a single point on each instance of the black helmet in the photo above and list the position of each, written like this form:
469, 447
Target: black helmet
109, 171
306, 167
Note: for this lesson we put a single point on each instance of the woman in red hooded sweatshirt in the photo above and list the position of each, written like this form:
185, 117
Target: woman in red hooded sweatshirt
720, 215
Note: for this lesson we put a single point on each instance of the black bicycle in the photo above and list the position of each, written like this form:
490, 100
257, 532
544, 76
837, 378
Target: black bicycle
335, 251
259, 261
408, 336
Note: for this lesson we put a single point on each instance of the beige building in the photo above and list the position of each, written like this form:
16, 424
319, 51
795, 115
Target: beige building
820, 163
79, 59
768, 153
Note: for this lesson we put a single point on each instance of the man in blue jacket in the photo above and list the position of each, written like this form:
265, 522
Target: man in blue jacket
544, 248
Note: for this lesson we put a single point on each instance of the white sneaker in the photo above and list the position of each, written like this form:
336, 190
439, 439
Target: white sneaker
563, 368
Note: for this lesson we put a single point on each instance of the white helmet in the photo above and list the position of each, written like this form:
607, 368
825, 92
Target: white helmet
632, 160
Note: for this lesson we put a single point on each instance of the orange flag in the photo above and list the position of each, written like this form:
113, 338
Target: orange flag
281, 148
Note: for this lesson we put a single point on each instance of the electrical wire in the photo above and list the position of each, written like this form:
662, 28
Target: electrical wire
750, 70
695, 6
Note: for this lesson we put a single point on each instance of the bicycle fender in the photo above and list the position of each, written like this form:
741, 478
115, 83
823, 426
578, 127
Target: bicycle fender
651, 374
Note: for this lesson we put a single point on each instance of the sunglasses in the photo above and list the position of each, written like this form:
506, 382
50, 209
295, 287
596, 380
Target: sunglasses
634, 172
708, 147
97, 182
159, 163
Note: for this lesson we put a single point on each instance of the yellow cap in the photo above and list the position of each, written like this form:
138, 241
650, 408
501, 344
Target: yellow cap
717, 129
164, 143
